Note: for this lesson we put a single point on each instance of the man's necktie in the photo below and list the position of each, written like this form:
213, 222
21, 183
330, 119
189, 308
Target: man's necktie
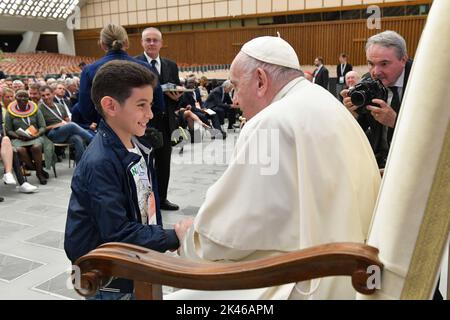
153, 62
395, 103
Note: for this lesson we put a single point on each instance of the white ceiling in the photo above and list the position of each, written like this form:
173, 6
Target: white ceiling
10, 24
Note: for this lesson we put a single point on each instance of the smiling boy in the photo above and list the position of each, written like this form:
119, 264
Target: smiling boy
114, 192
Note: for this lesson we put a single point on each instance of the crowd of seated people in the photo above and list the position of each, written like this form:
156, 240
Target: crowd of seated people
210, 106
35, 114
41, 106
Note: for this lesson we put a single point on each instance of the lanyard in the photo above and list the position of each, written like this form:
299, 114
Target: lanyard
28, 122
58, 116
343, 69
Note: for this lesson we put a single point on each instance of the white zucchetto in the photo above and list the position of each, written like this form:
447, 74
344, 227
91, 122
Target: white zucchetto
273, 50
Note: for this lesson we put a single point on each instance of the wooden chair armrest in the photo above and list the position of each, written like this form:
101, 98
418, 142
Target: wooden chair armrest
147, 267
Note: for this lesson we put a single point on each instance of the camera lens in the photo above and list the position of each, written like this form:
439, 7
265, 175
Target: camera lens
358, 98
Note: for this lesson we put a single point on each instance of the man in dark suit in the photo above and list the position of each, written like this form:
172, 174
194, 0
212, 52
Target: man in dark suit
388, 61
61, 99
219, 100
71, 91
341, 71
163, 120
193, 99
321, 76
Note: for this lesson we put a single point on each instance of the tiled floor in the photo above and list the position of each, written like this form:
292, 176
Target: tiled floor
33, 264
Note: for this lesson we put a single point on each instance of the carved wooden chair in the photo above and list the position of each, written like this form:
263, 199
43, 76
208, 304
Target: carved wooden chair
411, 221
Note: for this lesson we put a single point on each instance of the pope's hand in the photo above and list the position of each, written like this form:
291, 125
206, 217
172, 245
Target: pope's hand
182, 226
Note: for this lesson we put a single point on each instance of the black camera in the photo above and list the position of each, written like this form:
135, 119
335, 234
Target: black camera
364, 92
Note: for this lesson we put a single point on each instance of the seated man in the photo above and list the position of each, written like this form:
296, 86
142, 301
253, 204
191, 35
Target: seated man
192, 101
219, 101
61, 99
351, 79
302, 174
59, 127
33, 91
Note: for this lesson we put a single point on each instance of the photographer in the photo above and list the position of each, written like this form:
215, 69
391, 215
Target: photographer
388, 62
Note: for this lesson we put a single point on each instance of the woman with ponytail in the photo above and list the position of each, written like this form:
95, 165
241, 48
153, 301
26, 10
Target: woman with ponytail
114, 41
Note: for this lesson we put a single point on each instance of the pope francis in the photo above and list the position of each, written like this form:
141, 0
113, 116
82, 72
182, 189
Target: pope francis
316, 180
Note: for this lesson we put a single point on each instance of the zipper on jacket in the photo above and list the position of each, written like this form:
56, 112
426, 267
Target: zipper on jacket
129, 186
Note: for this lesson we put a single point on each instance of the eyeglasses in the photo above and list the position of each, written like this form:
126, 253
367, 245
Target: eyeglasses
150, 40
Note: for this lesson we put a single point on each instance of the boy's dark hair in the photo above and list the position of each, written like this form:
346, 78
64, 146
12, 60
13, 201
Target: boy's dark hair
117, 79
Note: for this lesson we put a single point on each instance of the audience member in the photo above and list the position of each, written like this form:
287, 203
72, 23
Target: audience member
71, 91
388, 61
59, 127
351, 79
38, 75
9, 82
64, 74
202, 87
190, 109
18, 85
6, 153
33, 92
341, 70
320, 74
7, 98
114, 41
82, 65
25, 126
164, 120
60, 98
219, 101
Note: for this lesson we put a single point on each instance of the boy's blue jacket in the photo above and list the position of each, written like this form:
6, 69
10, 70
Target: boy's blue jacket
103, 206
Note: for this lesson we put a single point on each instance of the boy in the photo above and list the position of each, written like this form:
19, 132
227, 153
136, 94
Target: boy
114, 193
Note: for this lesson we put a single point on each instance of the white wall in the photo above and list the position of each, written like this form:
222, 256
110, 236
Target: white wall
66, 42
98, 13
29, 42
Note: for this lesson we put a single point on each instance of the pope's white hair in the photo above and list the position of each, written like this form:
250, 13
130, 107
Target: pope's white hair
278, 74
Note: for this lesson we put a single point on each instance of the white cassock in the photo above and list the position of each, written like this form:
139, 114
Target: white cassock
320, 186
